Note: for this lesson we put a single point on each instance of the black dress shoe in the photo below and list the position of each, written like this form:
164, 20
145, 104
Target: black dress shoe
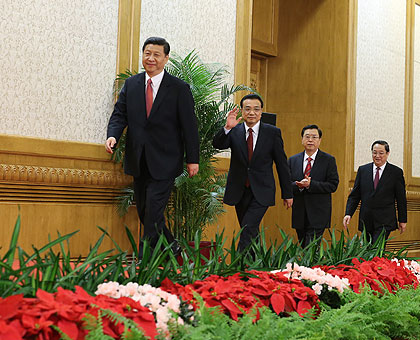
176, 249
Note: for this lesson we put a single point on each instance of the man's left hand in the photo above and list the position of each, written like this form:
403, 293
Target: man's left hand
402, 226
288, 202
192, 169
304, 183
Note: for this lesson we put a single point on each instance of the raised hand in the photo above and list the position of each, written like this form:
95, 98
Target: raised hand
231, 120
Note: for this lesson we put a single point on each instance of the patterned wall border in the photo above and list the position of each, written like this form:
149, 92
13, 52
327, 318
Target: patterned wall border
41, 174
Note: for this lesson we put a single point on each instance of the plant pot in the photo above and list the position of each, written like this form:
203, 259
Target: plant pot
204, 247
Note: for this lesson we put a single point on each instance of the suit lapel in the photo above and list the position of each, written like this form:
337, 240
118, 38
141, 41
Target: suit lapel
383, 177
163, 91
142, 89
317, 163
370, 179
301, 158
240, 131
260, 141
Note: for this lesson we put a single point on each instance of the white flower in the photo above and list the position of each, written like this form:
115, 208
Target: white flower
162, 304
317, 288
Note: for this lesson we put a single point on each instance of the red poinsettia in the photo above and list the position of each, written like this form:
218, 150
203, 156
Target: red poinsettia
31, 318
378, 273
237, 295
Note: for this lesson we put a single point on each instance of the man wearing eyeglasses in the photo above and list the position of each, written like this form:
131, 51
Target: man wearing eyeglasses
314, 179
250, 184
378, 186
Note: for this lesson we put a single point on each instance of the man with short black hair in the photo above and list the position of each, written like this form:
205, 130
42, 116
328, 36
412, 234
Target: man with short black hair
159, 111
250, 184
378, 186
314, 178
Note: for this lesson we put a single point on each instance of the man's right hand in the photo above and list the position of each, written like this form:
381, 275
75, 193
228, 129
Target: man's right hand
346, 221
109, 144
231, 120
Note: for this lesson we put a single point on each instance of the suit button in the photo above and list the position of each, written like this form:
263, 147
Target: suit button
249, 169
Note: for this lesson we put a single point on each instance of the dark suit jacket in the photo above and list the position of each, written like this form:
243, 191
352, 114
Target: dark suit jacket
316, 200
170, 129
269, 148
378, 206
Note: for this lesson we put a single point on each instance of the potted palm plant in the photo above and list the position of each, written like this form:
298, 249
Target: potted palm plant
195, 202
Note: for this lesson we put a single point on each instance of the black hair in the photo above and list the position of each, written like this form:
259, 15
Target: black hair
310, 127
157, 41
252, 96
380, 142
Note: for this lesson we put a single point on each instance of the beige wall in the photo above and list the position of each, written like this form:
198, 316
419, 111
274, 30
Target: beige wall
57, 64
380, 78
207, 26
416, 96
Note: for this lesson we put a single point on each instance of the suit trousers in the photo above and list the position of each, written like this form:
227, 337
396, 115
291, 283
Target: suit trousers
308, 233
374, 234
151, 199
250, 214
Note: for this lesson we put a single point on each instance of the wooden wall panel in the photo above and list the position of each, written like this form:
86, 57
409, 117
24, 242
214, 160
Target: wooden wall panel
59, 186
259, 74
308, 84
265, 26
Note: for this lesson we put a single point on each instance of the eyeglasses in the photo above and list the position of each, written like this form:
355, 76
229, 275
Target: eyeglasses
308, 137
380, 153
257, 110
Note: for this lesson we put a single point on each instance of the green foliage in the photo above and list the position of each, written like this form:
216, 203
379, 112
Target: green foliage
95, 329
49, 269
340, 250
204, 191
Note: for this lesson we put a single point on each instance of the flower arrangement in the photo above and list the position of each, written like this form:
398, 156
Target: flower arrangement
66, 314
32, 318
164, 306
378, 273
237, 295
315, 275
412, 265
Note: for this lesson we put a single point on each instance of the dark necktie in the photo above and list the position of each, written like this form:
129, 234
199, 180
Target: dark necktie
149, 97
250, 143
376, 180
308, 167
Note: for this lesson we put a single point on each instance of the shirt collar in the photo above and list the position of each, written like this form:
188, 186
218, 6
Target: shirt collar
156, 80
255, 128
381, 167
312, 157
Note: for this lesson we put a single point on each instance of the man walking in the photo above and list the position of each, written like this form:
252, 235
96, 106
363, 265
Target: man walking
378, 186
250, 184
314, 178
158, 110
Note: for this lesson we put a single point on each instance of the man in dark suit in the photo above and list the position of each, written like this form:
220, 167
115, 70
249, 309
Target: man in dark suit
314, 178
159, 112
250, 184
378, 186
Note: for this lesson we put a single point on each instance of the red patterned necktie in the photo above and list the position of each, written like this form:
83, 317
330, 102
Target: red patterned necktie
149, 97
376, 180
250, 144
308, 167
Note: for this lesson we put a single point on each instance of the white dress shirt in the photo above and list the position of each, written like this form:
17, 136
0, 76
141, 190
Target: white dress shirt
255, 131
305, 160
381, 171
156, 80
